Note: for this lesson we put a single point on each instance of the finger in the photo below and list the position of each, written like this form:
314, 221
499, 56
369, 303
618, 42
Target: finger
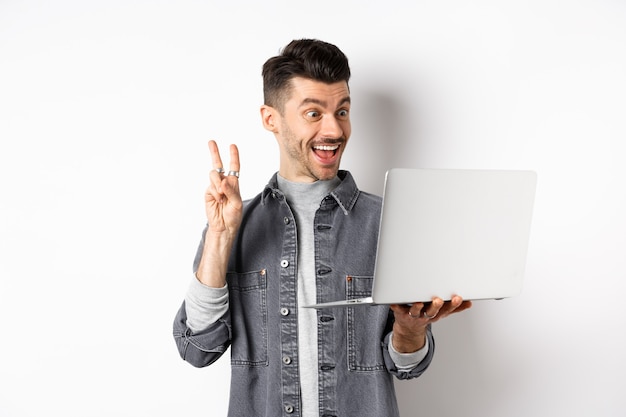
463, 305
217, 173
431, 311
456, 302
234, 158
403, 309
416, 310
211, 195
230, 188
413, 310
400, 308
215, 155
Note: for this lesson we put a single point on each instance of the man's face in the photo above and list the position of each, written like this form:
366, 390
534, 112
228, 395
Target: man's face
313, 130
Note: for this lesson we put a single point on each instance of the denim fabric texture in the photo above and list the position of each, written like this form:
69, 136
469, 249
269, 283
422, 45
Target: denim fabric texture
260, 328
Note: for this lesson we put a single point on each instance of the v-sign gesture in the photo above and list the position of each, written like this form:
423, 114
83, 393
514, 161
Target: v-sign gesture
222, 198
223, 206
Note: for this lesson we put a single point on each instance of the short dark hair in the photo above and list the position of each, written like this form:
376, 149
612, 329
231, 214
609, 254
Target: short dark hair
307, 58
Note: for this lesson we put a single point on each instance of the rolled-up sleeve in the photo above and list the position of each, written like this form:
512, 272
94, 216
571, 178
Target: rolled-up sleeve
202, 329
412, 365
204, 305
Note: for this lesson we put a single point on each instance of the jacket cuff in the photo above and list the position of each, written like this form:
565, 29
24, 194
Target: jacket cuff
406, 361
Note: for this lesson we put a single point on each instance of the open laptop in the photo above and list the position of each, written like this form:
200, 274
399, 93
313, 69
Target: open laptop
446, 232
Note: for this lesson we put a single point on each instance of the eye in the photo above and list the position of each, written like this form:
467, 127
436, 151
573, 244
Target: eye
343, 113
313, 114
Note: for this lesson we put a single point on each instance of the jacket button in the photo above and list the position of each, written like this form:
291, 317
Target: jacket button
286, 360
284, 311
288, 409
286, 220
284, 263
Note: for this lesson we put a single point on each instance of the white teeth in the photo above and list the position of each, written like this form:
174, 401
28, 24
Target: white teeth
326, 147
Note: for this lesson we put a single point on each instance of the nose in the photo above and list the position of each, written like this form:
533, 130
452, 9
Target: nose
332, 127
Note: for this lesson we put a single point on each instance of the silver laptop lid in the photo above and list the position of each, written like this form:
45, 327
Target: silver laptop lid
445, 232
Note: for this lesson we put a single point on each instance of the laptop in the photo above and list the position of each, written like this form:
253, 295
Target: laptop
446, 232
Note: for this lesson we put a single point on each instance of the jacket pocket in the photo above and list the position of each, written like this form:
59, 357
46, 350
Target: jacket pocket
248, 312
366, 325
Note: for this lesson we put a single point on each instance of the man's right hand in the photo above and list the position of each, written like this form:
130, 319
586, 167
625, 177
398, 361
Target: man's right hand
224, 209
222, 198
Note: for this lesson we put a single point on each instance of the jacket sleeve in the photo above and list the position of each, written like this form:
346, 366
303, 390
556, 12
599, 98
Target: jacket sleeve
204, 347
419, 369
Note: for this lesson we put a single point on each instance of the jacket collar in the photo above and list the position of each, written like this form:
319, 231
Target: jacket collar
345, 195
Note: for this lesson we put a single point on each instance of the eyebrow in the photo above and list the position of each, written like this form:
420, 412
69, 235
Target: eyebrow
323, 103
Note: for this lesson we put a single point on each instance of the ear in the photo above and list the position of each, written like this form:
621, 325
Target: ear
270, 118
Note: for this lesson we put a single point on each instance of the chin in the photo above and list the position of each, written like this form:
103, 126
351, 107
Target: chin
327, 174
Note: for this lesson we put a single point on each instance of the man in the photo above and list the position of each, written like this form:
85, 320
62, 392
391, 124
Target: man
309, 236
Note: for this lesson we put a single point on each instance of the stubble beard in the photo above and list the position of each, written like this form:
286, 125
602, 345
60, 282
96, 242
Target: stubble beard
307, 165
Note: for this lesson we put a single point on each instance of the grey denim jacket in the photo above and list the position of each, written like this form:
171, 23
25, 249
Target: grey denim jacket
355, 369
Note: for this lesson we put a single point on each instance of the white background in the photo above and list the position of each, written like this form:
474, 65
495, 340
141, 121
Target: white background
105, 111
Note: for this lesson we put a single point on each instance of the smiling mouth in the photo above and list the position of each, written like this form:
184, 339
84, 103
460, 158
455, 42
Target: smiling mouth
326, 152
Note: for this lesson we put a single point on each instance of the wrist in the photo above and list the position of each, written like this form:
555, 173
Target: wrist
214, 262
408, 342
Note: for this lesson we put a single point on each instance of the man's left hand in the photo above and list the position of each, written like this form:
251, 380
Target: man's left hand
411, 320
